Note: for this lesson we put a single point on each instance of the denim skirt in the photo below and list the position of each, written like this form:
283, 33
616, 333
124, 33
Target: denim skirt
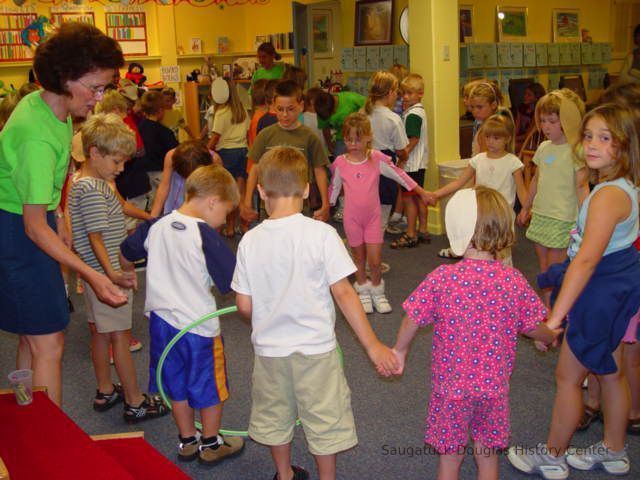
32, 295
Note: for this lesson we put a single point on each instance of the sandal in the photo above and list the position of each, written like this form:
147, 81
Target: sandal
104, 401
151, 407
447, 253
405, 241
424, 237
589, 415
633, 427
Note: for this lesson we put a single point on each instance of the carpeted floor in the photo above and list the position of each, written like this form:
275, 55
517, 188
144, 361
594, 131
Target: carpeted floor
389, 413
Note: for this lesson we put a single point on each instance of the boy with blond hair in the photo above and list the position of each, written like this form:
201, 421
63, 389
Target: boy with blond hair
186, 257
415, 124
98, 227
288, 267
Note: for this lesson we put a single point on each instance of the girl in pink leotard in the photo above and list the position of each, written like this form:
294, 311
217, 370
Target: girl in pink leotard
359, 171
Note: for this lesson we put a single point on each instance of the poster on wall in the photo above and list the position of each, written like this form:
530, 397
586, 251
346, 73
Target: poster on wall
566, 25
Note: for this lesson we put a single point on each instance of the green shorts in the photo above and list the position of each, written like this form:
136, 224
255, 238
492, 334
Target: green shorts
312, 388
549, 232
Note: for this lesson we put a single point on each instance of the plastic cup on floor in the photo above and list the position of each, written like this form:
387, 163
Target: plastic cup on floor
21, 382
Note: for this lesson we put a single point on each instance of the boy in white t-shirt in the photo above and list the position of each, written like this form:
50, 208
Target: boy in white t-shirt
286, 270
185, 258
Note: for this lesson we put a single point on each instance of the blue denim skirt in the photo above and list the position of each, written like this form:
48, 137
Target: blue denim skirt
32, 295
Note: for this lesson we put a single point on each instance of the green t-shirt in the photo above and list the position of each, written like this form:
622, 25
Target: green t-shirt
34, 156
556, 196
274, 73
413, 125
301, 138
348, 102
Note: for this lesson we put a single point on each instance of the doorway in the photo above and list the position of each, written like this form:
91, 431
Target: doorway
317, 33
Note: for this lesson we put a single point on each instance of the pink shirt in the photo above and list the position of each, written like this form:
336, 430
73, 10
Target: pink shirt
478, 307
361, 180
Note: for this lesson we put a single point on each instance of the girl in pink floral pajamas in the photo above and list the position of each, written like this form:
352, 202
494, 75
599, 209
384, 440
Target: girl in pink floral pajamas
478, 306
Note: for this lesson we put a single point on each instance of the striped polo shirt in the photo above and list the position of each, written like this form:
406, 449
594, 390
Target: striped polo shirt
94, 207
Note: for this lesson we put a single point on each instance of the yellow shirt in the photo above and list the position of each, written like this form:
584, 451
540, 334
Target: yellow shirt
232, 135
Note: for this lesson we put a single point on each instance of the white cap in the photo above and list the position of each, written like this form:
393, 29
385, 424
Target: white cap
220, 91
460, 219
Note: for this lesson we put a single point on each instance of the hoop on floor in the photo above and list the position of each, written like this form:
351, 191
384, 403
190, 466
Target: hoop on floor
183, 332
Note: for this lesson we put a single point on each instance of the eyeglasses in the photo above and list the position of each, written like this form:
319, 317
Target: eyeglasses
97, 91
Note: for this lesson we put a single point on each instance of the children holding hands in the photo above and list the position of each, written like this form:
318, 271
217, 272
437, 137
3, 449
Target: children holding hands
599, 291
415, 123
560, 183
478, 307
359, 170
288, 268
185, 258
496, 168
289, 131
98, 226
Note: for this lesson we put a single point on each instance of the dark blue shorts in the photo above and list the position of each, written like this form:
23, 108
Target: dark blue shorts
32, 296
388, 189
195, 369
235, 161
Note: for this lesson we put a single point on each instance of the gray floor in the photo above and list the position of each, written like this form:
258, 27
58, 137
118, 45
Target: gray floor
389, 413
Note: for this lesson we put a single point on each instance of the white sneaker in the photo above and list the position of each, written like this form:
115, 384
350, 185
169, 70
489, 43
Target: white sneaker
364, 294
598, 455
538, 461
380, 301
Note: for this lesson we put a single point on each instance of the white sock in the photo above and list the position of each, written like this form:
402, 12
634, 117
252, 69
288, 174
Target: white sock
395, 217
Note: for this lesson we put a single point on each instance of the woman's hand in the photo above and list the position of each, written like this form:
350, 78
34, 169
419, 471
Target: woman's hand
106, 291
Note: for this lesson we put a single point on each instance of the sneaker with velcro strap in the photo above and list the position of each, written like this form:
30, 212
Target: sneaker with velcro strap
188, 448
538, 461
599, 456
216, 449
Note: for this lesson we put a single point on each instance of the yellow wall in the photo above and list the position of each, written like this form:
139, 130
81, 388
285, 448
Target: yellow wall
595, 15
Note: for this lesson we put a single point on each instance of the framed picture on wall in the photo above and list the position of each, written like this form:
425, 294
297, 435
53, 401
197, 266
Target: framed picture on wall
374, 22
465, 23
566, 25
196, 45
512, 24
322, 33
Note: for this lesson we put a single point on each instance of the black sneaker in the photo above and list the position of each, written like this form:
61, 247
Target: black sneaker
299, 473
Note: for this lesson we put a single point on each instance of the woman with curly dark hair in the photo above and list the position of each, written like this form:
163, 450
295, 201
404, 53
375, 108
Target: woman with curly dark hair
73, 67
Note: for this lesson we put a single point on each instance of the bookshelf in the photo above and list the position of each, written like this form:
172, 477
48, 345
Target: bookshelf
58, 18
12, 49
130, 30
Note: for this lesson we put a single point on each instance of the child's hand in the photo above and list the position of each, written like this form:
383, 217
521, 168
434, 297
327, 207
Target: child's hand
124, 279
383, 358
543, 347
524, 216
400, 358
322, 214
429, 198
247, 213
